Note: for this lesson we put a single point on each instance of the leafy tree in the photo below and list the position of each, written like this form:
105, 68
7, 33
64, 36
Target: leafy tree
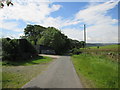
33, 33
54, 38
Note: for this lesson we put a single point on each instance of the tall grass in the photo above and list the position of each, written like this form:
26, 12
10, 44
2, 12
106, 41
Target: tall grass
100, 71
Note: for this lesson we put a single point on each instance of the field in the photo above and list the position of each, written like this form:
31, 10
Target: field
96, 68
109, 51
15, 75
107, 48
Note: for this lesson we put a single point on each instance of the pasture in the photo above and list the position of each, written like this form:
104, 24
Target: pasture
98, 67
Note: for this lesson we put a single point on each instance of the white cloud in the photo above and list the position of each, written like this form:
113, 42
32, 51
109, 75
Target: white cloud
36, 11
52, 22
12, 36
55, 8
102, 33
28, 11
13, 26
97, 33
101, 29
73, 33
96, 14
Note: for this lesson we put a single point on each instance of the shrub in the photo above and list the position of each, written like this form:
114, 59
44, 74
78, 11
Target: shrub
17, 49
6, 48
76, 51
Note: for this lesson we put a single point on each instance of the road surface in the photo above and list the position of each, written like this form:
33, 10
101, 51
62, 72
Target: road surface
59, 74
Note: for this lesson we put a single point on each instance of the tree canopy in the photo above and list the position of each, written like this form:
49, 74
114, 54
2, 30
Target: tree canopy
33, 33
52, 37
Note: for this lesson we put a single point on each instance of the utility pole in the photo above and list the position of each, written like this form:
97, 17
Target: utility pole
85, 35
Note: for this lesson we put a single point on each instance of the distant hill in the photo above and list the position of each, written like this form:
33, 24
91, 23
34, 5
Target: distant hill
99, 44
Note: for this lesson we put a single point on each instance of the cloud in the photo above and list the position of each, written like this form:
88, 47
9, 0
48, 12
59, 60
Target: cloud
10, 35
96, 14
36, 11
28, 11
95, 34
100, 26
12, 26
73, 33
102, 33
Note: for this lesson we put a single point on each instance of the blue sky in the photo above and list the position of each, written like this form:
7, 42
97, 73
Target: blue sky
101, 19
68, 9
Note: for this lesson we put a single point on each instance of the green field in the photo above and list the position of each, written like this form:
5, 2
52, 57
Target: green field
96, 71
109, 51
98, 67
16, 75
107, 48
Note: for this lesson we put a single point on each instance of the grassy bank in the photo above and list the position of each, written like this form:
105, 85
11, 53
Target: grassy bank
97, 71
15, 75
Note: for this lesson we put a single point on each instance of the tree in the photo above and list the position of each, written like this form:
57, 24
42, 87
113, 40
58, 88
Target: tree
75, 44
54, 38
51, 37
33, 33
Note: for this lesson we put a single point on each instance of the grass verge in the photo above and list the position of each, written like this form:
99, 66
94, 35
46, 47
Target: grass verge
37, 60
98, 71
19, 74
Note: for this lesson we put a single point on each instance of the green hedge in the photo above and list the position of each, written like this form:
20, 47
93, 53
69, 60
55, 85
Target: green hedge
17, 49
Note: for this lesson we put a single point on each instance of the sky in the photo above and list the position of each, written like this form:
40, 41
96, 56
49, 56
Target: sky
101, 18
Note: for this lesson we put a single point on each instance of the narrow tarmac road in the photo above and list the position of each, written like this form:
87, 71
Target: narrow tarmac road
59, 74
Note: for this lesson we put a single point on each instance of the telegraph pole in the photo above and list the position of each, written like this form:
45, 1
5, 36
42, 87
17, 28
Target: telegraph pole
85, 35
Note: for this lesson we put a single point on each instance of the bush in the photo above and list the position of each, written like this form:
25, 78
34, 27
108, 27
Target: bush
76, 51
6, 48
17, 49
